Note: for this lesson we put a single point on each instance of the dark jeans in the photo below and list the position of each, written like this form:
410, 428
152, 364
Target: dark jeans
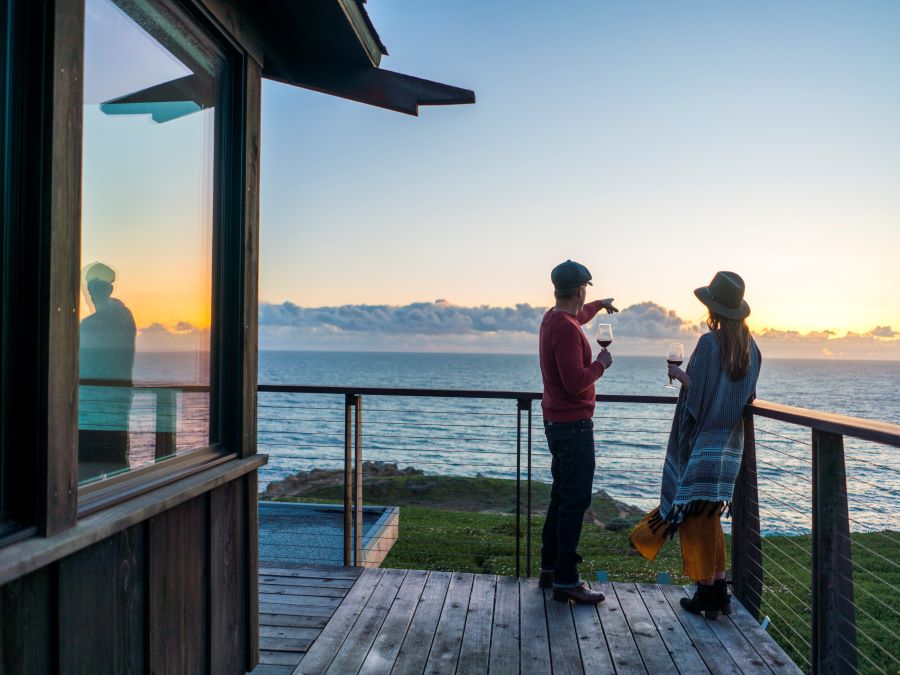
572, 447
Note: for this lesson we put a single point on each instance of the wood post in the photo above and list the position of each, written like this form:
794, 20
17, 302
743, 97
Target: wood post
834, 610
746, 543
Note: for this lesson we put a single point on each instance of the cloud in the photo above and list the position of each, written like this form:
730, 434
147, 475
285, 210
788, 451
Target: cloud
883, 332
879, 343
184, 337
643, 328
441, 325
420, 318
648, 320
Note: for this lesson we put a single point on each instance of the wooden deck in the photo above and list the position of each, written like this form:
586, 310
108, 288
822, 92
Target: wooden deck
341, 621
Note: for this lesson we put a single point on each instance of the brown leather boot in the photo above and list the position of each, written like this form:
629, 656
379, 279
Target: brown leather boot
580, 594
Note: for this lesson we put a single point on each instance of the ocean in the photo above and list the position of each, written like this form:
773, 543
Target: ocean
472, 437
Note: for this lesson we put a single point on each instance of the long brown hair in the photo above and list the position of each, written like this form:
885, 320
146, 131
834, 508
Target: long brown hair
734, 344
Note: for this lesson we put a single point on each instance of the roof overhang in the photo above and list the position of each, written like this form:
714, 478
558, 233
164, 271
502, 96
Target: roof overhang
328, 46
332, 47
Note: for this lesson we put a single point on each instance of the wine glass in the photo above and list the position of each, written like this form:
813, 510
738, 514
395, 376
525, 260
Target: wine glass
604, 335
674, 357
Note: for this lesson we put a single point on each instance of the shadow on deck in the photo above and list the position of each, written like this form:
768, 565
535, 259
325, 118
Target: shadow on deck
341, 620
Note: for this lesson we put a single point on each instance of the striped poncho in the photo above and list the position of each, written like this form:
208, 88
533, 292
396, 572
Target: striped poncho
707, 438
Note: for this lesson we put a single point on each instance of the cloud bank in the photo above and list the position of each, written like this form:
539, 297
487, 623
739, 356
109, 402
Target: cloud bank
640, 329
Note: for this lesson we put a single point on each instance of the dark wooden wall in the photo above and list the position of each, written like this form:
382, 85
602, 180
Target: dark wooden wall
168, 595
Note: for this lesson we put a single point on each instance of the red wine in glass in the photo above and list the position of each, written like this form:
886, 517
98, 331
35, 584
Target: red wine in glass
604, 335
674, 357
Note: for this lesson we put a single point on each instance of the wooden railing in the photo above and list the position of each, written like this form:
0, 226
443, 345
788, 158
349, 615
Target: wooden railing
834, 638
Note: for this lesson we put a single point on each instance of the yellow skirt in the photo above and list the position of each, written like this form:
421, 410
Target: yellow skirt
702, 541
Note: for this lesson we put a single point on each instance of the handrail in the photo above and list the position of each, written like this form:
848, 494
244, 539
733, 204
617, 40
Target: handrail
128, 384
447, 393
844, 425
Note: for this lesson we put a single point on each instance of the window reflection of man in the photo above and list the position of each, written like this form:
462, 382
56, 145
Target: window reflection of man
106, 353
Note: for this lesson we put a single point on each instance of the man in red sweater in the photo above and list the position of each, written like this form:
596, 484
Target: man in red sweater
569, 374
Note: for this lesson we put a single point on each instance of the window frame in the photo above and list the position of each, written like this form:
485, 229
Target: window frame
227, 232
41, 212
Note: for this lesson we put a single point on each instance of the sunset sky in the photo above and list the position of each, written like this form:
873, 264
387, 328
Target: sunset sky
654, 142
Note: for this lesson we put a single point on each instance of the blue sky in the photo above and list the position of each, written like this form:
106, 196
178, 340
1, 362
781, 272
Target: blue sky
655, 142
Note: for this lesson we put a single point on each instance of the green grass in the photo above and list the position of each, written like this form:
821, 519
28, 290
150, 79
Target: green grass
468, 524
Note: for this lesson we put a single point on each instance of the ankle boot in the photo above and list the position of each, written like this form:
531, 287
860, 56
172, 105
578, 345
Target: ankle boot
721, 595
704, 602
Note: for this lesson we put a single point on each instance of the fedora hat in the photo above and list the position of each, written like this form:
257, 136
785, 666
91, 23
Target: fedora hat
725, 296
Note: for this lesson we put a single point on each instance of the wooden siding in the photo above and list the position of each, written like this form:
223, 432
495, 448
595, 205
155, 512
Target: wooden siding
102, 604
167, 595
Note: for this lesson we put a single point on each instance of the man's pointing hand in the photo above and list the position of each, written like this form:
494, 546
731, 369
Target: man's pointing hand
607, 304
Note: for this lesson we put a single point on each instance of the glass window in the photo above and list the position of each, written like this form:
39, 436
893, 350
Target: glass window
150, 93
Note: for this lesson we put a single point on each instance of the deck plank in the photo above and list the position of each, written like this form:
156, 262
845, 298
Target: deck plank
309, 591
381, 657
266, 669
505, 635
313, 582
356, 646
595, 656
416, 645
266, 619
474, 656
298, 610
714, 655
535, 651
769, 650
322, 651
444, 654
743, 653
650, 643
565, 655
622, 647
277, 644
681, 649
270, 658
282, 569
305, 600
292, 632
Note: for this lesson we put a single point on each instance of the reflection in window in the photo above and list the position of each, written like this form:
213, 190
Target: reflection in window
150, 88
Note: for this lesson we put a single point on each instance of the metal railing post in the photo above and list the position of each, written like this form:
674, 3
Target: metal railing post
746, 543
518, 486
348, 478
528, 512
834, 610
358, 487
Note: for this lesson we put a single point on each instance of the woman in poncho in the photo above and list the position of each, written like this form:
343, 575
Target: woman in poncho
706, 445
